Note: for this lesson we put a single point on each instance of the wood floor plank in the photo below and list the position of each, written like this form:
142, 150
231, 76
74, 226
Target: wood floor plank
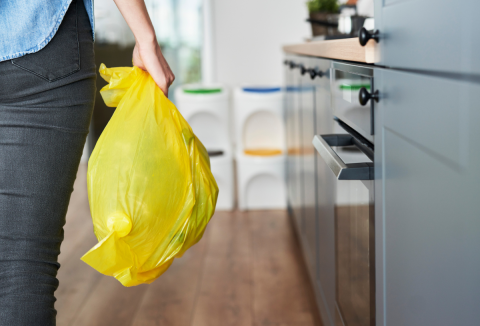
225, 295
282, 290
169, 301
230, 235
110, 303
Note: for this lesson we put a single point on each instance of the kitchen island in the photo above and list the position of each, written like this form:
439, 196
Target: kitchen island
383, 181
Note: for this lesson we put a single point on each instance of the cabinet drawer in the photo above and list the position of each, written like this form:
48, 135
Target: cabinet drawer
435, 35
346, 82
430, 112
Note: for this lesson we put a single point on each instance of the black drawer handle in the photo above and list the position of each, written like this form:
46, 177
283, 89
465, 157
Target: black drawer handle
314, 73
364, 96
364, 36
303, 70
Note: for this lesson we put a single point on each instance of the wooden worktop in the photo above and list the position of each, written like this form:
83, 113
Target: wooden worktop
344, 49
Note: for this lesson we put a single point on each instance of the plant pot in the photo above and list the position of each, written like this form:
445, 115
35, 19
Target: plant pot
324, 23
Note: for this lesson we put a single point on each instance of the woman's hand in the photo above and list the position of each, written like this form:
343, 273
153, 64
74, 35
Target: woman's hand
149, 57
146, 54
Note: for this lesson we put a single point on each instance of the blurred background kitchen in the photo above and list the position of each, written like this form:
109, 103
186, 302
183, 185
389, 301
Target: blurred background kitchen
228, 61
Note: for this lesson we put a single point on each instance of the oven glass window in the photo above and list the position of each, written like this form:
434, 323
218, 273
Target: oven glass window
353, 243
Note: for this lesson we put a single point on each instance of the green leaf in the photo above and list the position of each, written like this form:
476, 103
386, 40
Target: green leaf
329, 6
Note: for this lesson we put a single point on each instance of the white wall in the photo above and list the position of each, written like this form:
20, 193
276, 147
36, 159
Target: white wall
110, 26
248, 36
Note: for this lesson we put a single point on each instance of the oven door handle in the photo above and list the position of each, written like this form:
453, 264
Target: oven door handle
352, 171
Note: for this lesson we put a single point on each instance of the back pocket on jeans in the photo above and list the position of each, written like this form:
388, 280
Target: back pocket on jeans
60, 57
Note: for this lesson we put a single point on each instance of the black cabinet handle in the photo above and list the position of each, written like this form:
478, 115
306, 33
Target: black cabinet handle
364, 36
292, 64
303, 70
314, 73
286, 62
364, 96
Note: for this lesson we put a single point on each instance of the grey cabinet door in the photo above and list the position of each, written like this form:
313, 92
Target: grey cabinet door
435, 35
292, 116
325, 201
427, 159
307, 130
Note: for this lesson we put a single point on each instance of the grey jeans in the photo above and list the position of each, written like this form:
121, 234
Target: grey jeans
46, 103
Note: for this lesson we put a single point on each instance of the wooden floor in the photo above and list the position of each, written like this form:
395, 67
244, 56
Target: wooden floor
246, 271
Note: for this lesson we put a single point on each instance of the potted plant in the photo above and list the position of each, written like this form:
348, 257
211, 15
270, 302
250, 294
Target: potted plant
323, 16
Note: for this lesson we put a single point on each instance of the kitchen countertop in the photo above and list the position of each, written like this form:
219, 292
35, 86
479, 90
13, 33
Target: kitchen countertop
344, 49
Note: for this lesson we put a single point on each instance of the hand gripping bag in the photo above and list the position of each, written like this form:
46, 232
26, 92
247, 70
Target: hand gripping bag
150, 187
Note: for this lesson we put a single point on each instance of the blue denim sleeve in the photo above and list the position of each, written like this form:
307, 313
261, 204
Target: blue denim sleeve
26, 26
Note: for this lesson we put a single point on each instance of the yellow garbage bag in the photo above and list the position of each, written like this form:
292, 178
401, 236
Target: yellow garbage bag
150, 187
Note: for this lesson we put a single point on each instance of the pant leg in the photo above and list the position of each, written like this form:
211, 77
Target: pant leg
46, 103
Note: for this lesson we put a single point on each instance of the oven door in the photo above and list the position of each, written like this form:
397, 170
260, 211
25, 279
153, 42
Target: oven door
351, 161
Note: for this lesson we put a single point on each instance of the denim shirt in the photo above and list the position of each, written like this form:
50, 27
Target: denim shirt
26, 26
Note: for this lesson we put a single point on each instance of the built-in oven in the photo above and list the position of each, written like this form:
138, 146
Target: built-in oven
347, 156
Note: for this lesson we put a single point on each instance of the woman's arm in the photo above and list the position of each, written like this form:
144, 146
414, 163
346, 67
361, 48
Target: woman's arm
146, 54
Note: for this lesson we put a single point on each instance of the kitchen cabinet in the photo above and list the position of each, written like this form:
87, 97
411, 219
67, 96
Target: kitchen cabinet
292, 117
325, 200
307, 131
423, 203
309, 115
307, 112
301, 165
427, 172
429, 35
